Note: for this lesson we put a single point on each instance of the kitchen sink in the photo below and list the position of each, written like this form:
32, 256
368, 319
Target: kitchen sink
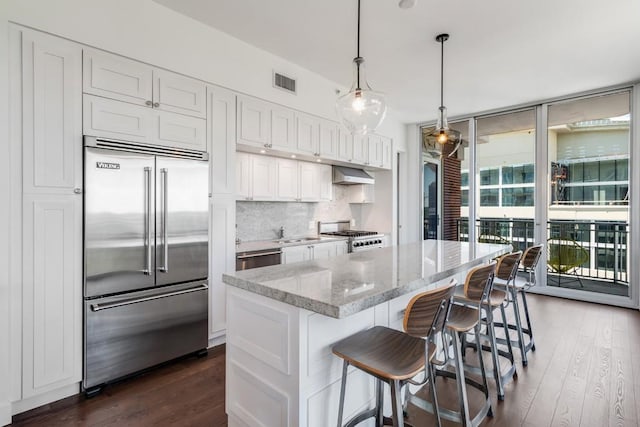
303, 239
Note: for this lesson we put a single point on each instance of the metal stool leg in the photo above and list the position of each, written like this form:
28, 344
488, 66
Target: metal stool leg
379, 404
494, 354
529, 330
516, 311
505, 327
396, 403
434, 397
460, 382
343, 386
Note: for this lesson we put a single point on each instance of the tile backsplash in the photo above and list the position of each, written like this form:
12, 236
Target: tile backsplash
262, 220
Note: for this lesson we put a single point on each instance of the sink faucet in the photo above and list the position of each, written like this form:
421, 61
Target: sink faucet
281, 233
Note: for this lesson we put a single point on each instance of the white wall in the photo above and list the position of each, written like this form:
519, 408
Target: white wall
148, 32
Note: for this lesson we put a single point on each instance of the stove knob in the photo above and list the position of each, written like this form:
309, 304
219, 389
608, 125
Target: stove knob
379, 241
368, 242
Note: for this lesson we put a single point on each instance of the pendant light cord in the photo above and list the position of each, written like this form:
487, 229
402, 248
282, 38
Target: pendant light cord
358, 51
441, 74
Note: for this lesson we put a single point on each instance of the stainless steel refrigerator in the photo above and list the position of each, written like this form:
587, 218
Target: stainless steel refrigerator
145, 257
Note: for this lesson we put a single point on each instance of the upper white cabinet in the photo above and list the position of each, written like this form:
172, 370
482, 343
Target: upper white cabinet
254, 122
316, 137
387, 153
265, 125
280, 131
271, 178
115, 77
221, 134
52, 114
49, 72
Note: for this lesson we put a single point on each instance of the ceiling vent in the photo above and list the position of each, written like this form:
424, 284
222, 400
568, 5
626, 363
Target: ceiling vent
283, 82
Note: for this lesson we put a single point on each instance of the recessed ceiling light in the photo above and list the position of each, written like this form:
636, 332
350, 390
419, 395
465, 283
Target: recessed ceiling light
293, 156
262, 151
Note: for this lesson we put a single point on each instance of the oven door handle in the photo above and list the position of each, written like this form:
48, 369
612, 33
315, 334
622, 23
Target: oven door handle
258, 254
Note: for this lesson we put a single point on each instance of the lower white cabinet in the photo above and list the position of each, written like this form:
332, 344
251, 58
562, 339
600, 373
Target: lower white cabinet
52, 292
322, 250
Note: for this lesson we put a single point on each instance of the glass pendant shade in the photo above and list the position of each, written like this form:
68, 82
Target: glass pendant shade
361, 109
442, 133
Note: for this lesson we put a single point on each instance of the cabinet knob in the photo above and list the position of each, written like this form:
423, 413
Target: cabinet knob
156, 104
266, 145
77, 190
149, 103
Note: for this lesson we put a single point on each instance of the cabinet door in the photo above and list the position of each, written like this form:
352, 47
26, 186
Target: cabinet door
325, 177
386, 153
345, 146
118, 120
307, 132
287, 176
328, 145
324, 250
282, 129
243, 176
342, 247
263, 178
221, 143
52, 114
254, 122
360, 150
295, 254
222, 258
309, 182
177, 130
374, 155
180, 94
116, 77
52, 292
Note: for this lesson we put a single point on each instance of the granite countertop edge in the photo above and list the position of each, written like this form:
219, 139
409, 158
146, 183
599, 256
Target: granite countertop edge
259, 245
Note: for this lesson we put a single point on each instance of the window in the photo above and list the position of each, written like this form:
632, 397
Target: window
523, 174
490, 176
489, 197
518, 196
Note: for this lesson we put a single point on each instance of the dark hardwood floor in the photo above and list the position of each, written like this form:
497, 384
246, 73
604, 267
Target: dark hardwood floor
585, 372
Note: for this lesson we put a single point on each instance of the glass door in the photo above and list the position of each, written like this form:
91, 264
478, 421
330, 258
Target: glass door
588, 213
431, 205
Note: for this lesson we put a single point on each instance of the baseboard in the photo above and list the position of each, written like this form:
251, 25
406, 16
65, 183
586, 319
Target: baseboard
5, 413
44, 398
218, 339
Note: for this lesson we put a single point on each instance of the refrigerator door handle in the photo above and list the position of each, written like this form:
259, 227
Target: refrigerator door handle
164, 182
147, 222
129, 301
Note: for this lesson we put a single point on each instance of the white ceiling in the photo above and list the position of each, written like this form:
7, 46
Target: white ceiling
501, 52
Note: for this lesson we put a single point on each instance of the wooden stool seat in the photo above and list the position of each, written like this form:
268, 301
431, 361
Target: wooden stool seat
385, 353
462, 318
496, 297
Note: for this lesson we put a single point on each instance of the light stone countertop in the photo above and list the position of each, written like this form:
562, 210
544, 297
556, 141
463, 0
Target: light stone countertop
347, 284
261, 245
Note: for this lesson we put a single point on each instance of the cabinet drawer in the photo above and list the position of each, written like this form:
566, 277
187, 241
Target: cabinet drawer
114, 119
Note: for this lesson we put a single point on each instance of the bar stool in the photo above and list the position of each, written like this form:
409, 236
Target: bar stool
462, 320
529, 262
396, 357
496, 299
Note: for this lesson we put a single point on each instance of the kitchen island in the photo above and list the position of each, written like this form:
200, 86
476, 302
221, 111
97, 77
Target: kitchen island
283, 320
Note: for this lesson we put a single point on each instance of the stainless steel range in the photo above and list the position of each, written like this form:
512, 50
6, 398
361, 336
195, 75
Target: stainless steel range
358, 240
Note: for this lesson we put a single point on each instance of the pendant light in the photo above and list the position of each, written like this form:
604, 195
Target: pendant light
361, 109
442, 133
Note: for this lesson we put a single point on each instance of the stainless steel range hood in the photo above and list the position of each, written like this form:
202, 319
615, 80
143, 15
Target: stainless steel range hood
349, 176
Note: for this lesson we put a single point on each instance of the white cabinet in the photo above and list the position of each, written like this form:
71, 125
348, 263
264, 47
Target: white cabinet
360, 150
271, 178
374, 150
120, 120
221, 143
322, 250
255, 177
262, 124
288, 179
295, 254
387, 153
115, 77
316, 137
52, 292
51, 244
345, 146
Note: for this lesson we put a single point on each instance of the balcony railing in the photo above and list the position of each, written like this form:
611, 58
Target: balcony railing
576, 249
